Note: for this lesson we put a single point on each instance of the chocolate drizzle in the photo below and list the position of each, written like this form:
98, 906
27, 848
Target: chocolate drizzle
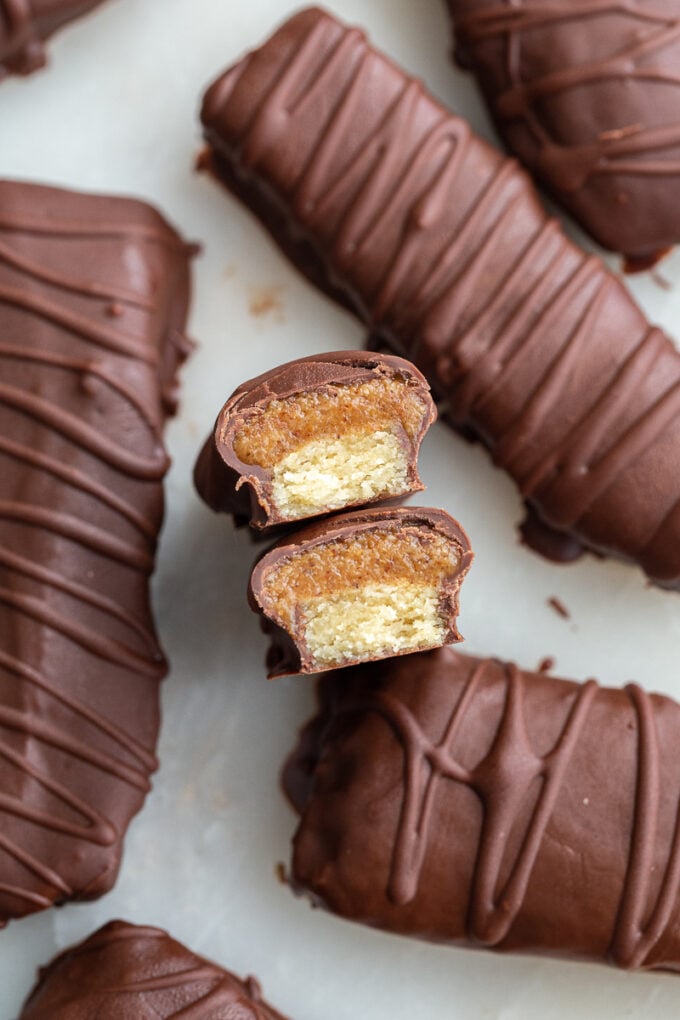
477, 726
615, 63
634, 937
145, 973
80, 506
501, 781
441, 246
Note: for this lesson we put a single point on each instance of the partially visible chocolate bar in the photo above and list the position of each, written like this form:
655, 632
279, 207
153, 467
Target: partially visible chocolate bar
588, 96
93, 302
26, 24
318, 434
127, 971
361, 586
440, 244
467, 801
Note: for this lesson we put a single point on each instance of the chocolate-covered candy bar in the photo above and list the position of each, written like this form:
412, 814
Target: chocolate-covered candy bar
587, 95
315, 435
93, 299
361, 586
442, 247
129, 971
467, 801
24, 26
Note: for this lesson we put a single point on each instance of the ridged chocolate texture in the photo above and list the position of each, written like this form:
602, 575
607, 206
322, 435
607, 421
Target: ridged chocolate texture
24, 26
399, 562
228, 484
93, 299
126, 971
587, 94
467, 801
441, 246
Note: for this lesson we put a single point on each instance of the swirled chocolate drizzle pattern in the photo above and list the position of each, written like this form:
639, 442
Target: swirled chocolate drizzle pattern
129, 970
25, 24
530, 813
81, 467
440, 244
587, 94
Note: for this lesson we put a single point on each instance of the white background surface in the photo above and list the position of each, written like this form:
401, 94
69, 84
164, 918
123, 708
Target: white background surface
116, 111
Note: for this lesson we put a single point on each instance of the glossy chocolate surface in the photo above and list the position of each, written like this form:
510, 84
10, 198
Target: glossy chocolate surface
440, 244
93, 299
227, 484
466, 801
587, 94
129, 971
24, 26
288, 653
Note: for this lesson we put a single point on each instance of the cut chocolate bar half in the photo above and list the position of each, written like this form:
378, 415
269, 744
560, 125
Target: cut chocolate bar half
362, 586
317, 435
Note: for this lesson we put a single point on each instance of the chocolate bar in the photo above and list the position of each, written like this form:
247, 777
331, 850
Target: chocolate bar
126, 970
588, 96
440, 244
24, 26
315, 435
467, 801
93, 300
361, 586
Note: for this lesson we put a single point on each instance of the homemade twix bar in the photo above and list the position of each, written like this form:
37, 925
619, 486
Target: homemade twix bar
125, 971
315, 435
467, 801
24, 26
93, 298
587, 95
361, 586
442, 247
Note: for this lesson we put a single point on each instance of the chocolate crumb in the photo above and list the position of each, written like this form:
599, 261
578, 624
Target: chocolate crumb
280, 872
266, 301
559, 607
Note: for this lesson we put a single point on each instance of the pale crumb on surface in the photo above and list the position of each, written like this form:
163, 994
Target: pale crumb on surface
266, 301
377, 619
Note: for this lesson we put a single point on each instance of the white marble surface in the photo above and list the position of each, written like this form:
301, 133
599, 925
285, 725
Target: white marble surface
116, 111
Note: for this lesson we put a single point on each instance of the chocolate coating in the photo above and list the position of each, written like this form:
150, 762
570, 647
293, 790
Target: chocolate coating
126, 971
289, 653
93, 299
24, 26
466, 801
587, 95
440, 244
227, 484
